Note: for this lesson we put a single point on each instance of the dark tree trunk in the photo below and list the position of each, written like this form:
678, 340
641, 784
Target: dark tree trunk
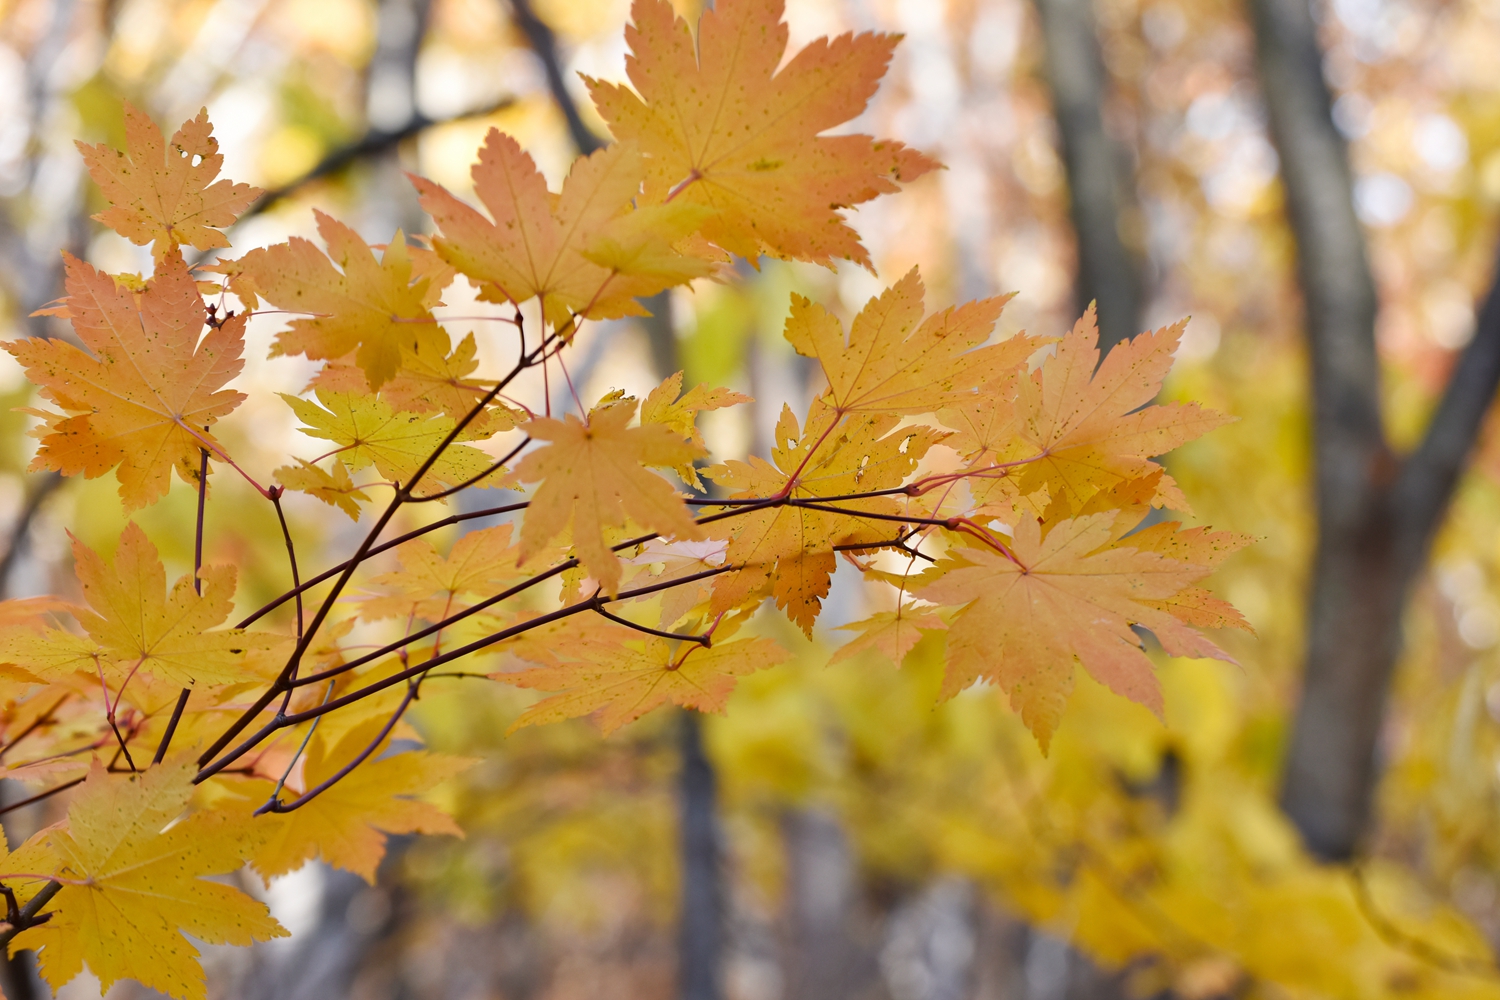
1099, 182
1376, 513
700, 929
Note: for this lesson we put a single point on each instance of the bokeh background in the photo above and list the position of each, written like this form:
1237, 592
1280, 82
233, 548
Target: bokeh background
855, 840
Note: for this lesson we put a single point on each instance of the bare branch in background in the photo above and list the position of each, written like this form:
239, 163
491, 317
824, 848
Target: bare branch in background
1376, 514
42, 487
1100, 185
544, 43
373, 143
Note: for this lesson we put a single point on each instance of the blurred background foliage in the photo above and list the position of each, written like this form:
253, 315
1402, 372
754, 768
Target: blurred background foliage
873, 845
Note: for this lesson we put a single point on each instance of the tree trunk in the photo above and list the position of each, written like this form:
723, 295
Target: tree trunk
1099, 182
1376, 514
700, 929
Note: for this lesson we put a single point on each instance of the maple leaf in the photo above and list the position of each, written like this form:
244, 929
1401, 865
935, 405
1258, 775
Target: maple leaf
894, 362
593, 476
482, 563
430, 381
788, 550
135, 626
719, 126
663, 405
1029, 614
368, 432
1091, 430
583, 251
133, 891
334, 487
372, 308
167, 195
1194, 606
610, 672
346, 825
141, 398
891, 634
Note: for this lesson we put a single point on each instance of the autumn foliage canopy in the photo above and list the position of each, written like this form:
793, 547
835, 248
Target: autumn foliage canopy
995, 486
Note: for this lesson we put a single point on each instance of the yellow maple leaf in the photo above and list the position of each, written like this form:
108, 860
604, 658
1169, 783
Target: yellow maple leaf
788, 550
582, 252
894, 362
721, 126
135, 626
368, 432
594, 476
1091, 430
346, 824
141, 398
166, 195
432, 382
334, 486
663, 405
131, 892
372, 308
1030, 613
617, 675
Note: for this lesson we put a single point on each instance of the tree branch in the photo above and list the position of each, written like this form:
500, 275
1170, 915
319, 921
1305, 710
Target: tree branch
372, 143
44, 488
1431, 473
544, 43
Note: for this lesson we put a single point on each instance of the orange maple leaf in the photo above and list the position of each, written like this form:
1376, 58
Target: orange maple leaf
890, 634
617, 675
1194, 606
893, 362
431, 587
1030, 613
583, 251
167, 195
594, 474
371, 308
789, 550
1091, 430
721, 127
143, 399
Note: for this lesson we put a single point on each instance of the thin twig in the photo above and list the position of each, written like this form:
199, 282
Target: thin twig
44, 488
29, 912
44, 719
333, 571
166, 737
472, 480
274, 804
41, 795
185, 693
283, 721
702, 640
1410, 943
372, 143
